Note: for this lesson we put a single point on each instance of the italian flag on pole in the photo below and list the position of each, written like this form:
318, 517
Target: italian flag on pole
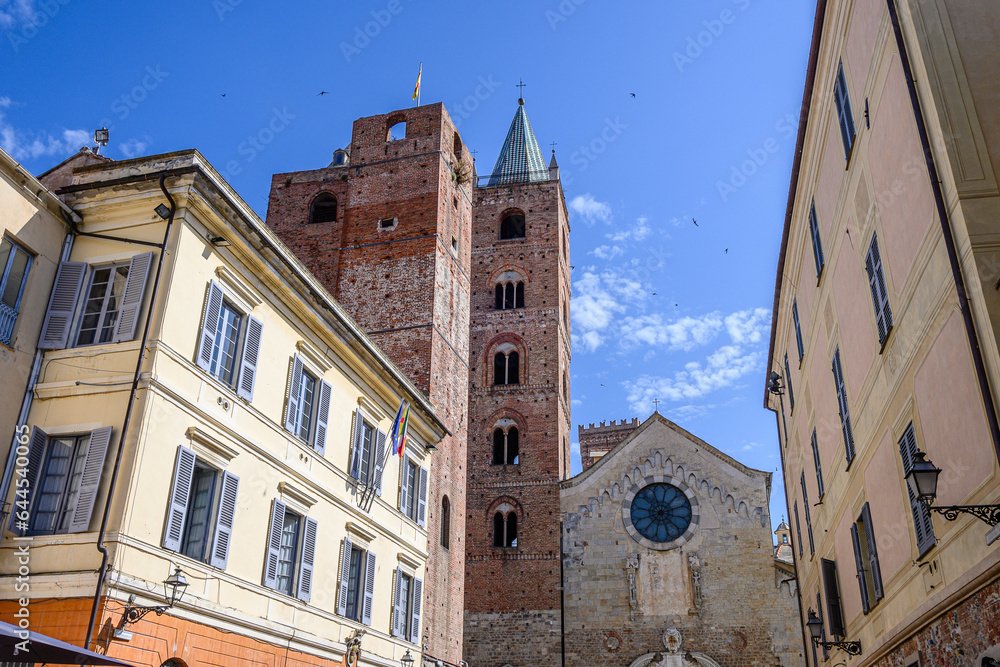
397, 437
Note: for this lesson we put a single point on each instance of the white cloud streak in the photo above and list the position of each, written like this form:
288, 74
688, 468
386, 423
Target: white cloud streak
28, 146
590, 209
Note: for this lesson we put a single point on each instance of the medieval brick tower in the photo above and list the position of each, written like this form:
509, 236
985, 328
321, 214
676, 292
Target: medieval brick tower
519, 408
387, 229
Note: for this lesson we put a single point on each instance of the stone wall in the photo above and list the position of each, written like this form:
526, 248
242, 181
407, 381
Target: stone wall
597, 440
718, 588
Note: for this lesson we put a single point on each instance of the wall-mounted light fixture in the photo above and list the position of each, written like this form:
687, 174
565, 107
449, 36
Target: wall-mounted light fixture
162, 211
922, 480
407, 659
815, 626
100, 139
220, 241
174, 587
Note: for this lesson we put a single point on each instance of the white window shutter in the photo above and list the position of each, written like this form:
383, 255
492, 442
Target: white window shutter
345, 576
294, 384
274, 543
404, 482
379, 461
398, 606
359, 434
90, 479
322, 417
248, 360
135, 288
422, 498
366, 608
36, 447
209, 323
307, 557
62, 305
417, 593
179, 495
224, 522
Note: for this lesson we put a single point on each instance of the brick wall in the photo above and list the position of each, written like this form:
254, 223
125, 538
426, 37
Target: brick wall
512, 594
598, 440
407, 284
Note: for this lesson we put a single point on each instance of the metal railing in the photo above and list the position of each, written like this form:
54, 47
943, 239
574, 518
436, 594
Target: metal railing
7, 318
533, 176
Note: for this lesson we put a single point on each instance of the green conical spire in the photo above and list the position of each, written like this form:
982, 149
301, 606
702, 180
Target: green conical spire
520, 158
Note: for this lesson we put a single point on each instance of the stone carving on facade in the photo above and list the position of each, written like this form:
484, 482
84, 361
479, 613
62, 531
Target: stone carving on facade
612, 642
694, 565
631, 568
672, 639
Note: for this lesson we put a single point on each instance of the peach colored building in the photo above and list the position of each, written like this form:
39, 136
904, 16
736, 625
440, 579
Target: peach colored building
885, 330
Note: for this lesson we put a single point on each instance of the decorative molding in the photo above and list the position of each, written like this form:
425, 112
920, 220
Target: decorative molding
373, 410
235, 287
287, 490
356, 529
215, 447
316, 359
406, 560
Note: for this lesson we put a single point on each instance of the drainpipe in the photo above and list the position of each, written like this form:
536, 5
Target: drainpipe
949, 238
29, 391
105, 554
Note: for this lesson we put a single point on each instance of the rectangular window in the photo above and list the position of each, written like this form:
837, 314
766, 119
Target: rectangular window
64, 473
307, 395
308, 409
291, 552
922, 523
227, 335
845, 415
102, 304
59, 485
831, 587
798, 329
866, 559
805, 508
406, 607
413, 490
410, 470
287, 552
819, 466
844, 115
355, 583
798, 530
220, 353
199, 514
14, 264
788, 383
816, 242
365, 453
880, 296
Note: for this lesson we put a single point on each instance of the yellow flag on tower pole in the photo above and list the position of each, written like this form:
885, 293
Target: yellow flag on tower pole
416, 89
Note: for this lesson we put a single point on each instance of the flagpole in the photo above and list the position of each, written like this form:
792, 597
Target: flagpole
368, 495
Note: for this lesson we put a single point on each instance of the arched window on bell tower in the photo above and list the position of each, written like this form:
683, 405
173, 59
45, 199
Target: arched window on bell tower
506, 443
323, 208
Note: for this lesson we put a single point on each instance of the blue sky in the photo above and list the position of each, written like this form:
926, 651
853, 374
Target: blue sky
662, 308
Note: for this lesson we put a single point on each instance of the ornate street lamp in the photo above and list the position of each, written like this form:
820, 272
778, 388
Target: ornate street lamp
816, 633
922, 480
174, 588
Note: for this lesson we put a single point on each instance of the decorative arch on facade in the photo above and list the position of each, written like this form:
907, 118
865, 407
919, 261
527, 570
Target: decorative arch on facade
509, 286
513, 224
513, 352
323, 208
505, 515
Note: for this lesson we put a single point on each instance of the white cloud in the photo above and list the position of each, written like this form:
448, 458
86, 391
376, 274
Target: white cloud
14, 13
598, 298
683, 334
698, 379
606, 251
134, 147
749, 326
690, 411
590, 209
638, 232
28, 146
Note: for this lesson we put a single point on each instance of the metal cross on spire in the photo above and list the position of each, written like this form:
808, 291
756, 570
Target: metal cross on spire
553, 147
520, 86
656, 405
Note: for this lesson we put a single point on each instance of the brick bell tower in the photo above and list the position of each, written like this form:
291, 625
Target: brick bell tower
387, 229
519, 408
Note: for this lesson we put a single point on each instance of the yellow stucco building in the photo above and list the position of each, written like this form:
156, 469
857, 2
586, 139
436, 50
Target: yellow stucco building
884, 339
203, 403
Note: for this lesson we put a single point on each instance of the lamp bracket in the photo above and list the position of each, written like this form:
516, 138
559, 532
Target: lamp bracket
851, 648
988, 513
133, 613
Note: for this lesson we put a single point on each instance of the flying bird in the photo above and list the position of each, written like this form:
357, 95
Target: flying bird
695, 222
653, 293
322, 92
727, 251
632, 94
223, 94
